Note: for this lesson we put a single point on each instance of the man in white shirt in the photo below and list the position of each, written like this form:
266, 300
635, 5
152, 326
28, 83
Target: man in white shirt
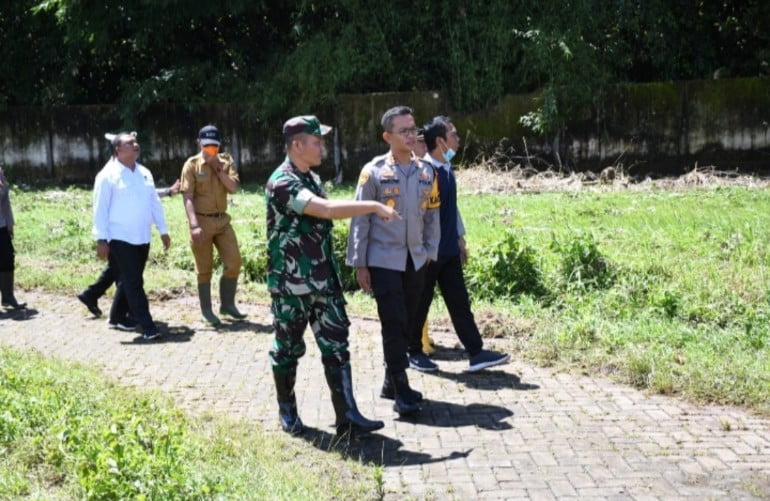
125, 206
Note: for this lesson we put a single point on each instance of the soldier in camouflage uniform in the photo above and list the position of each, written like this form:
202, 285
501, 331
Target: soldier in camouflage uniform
303, 278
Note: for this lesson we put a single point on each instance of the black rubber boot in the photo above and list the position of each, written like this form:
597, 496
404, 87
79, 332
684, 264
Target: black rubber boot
388, 391
349, 419
6, 289
403, 404
287, 402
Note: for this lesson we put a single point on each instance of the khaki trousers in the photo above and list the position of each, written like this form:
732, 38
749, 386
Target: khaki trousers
218, 233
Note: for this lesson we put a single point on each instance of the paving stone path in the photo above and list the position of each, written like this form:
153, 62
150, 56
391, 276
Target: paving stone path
516, 432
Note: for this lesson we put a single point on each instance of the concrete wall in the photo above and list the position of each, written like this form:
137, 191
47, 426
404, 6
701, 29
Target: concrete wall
656, 128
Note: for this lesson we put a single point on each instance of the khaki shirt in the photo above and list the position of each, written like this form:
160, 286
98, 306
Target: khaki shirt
200, 181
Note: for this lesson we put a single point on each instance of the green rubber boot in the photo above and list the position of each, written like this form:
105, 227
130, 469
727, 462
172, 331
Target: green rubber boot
204, 296
227, 297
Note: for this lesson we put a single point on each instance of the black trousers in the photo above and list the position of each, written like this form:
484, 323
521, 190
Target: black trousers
130, 261
448, 273
108, 277
397, 294
7, 252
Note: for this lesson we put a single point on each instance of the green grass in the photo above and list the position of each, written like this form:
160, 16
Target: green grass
65, 433
666, 290
685, 305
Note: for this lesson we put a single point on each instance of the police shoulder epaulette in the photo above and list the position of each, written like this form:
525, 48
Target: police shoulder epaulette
379, 161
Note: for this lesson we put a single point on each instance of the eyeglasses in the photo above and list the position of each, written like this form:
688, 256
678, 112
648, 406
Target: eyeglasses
407, 132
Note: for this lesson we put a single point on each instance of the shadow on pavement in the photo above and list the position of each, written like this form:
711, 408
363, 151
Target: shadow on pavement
18, 315
488, 379
372, 448
175, 334
448, 353
246, 325
449, 415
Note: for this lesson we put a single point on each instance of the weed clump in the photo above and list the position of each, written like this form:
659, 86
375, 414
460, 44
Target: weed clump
508, 269
582, 264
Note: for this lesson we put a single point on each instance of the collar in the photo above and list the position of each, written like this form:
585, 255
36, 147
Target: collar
445, 165
124, 166
391, 160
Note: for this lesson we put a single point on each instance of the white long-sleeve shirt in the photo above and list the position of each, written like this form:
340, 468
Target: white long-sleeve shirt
126, 204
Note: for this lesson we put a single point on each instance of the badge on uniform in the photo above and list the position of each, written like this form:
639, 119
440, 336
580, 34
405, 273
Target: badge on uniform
386, 172
390, 203
363, 178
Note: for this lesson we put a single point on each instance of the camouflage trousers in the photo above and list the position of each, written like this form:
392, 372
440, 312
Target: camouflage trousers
328, 321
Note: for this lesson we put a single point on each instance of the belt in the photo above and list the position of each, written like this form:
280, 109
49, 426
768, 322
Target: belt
212, 214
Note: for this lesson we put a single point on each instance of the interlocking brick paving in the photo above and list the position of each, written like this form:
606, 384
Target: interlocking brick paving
513, 432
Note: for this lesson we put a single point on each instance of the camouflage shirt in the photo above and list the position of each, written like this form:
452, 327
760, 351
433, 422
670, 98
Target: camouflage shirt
299, 247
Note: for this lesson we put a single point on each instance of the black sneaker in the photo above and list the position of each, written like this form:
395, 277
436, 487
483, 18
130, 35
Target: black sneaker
149, 336
127, 325
422, 363
90, 304
486, 358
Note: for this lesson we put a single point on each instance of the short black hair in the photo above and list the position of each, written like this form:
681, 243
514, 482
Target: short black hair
396, 111
299, 136
434, 129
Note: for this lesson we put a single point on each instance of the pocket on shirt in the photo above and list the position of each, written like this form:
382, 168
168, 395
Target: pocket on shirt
203, 184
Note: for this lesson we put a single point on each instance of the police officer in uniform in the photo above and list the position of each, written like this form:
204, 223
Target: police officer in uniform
207, 179
303, 277
390, 259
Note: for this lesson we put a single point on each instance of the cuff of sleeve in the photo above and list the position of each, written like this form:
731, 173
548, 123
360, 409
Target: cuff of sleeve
301, 200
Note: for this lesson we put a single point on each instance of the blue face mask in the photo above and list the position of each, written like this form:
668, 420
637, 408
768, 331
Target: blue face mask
449, 154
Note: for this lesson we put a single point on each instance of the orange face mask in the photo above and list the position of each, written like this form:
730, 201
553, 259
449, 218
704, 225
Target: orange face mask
211, 149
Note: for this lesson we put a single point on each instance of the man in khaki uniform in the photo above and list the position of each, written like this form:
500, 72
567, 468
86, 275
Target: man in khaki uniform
207, 178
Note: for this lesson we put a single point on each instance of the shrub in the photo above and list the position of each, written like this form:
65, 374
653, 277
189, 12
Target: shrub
582, 264
508, 269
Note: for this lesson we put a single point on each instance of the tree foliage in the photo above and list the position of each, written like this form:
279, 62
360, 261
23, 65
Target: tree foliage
295, 56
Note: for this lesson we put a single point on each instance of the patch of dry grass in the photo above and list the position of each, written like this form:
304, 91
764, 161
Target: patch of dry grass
504, 174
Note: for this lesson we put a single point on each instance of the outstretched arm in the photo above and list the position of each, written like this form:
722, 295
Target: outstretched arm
342, 209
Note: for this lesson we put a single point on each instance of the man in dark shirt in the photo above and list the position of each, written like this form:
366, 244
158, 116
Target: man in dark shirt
442, 141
